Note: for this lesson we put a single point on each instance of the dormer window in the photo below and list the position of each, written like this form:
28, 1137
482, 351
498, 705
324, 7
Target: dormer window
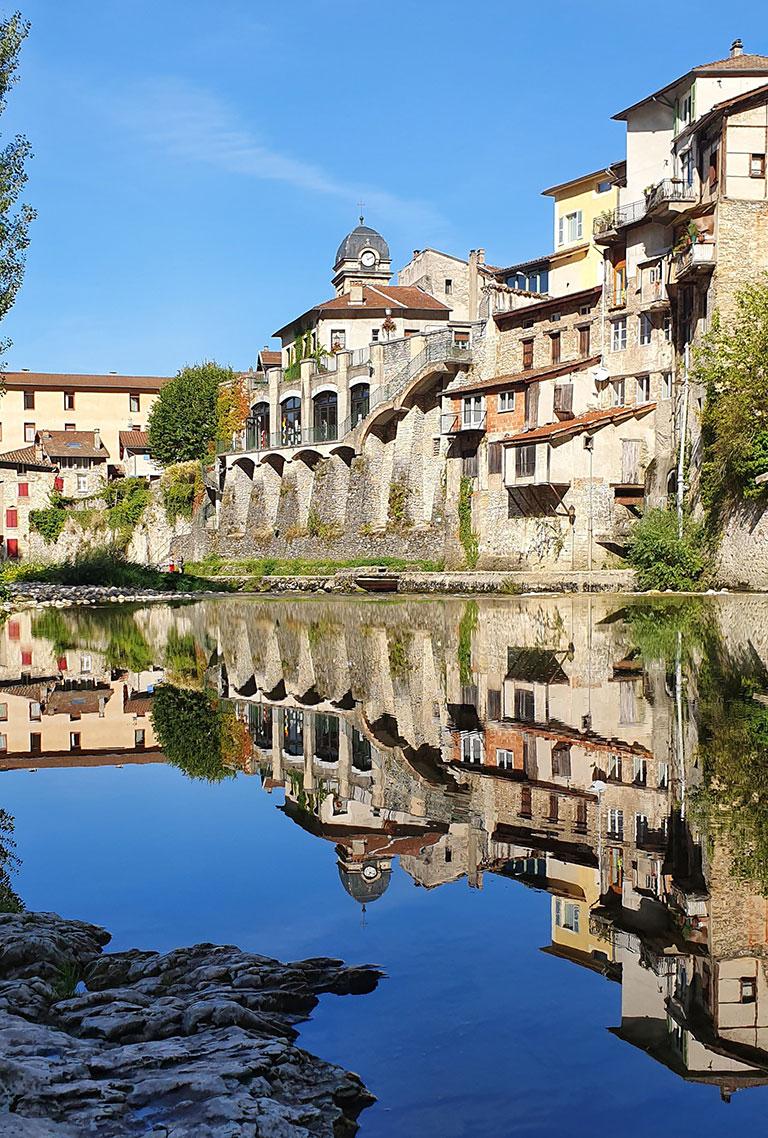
686, 109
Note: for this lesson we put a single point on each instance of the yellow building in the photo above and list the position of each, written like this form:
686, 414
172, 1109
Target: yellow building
46, 401
576, 263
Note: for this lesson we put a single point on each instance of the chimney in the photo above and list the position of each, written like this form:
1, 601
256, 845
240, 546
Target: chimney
737, 48
97, 438
356, 292
416, 253
480, 254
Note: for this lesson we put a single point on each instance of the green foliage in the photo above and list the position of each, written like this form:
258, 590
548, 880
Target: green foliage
663, 560
184, 661
192, 728
302, 349
213, 566
733, 365
398, 512
467, 536
398, 649
183, 422
671, 628
316, 527
107, 567
126, 500
49, 522
467, 626
182, 489
10, 902
14, 223
52, 625
68, 977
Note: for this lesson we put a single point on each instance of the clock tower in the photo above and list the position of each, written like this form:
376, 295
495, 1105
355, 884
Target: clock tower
362, 258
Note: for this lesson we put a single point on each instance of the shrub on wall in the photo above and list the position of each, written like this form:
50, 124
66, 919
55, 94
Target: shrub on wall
467, 536
661, 558
182, 490
49, 522
398, 513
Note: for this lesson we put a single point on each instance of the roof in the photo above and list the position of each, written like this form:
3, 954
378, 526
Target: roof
597, 419
509, 269
77, 701
376, 299
745, 64
25, 456
133, 440
737, 103
361, 237
534, 665
268, 358
610, 170
550, 371
72, 444
64, 381
138, 703
440, 253
526, 311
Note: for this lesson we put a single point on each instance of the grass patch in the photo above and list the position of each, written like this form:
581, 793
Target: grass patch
104, 567
215, 566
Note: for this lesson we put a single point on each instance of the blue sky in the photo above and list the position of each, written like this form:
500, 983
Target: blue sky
198, 161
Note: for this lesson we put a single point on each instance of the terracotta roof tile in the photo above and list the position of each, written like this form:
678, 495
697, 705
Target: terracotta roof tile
25, 456
598, 418
134, 440
526, 311
376, 299
550, 371
71, 444
270, 359
39, 380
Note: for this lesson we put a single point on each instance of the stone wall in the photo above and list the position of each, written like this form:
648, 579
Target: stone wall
743, 555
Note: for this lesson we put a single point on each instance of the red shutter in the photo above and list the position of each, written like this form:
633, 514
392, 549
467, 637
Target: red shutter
14, 630
23, 489
61, 663
26, 657
12, 546
58, 483
11, 522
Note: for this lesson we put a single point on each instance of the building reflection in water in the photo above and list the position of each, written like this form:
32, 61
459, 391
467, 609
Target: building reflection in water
553, 742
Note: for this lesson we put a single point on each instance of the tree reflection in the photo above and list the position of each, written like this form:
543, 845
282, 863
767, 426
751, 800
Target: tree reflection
10, 902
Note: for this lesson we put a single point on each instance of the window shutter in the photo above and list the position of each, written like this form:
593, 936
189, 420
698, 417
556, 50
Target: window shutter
579, 223
560, 230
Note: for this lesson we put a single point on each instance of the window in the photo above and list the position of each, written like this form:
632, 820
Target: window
527, 355
641, 827
11, 519
747, 990
525, 461
525, 705
566, 915
74, 740
408, 332
570, 227
70, 427
528, 323
35, 743
29, 400
3, 712
619, 392
666, 385
663, 776
619, 334
713, 164
687, 168
23, 489
29, 432
556, 317
639, 770
26, 657
472, 749
561, 761
134, 404
616, 823
603, 187
584, 310
86, 662
643, 388
668, 328
448, 286
493, 704
645, 329
554, 808
686, 109
69, 400
581, 814
139, 736
3, 742
14, 630
555, 340
505, 760
627, 693
495, 458
374, 335
338, 339
525, 802
461, 338
584, 341
506, 401
529, 755
35, 710
82, 483
472, 411
531, 405
359, 402
757, 165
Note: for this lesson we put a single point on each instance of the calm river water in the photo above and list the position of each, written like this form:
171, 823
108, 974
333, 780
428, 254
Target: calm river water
545, 818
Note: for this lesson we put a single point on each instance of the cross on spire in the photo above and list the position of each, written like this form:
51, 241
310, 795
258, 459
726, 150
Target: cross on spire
361, 207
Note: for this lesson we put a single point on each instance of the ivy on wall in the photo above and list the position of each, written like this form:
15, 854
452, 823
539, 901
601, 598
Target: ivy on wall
467, 536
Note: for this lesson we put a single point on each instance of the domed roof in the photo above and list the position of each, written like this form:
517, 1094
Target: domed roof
368, 885
361, 237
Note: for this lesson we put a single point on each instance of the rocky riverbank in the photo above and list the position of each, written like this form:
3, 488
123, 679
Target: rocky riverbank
194, 1043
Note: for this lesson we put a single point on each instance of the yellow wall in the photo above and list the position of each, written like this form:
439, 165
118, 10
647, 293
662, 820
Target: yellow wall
584, 269
108, 410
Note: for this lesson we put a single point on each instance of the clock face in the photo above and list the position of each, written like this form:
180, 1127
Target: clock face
368, 259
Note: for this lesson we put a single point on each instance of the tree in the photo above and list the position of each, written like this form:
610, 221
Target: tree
183, 422
10, 902
14, 223
232, 408
662, 559
198, 732
733, 365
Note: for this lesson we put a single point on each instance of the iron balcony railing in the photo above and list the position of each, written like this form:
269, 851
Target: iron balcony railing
616, 218
669, 190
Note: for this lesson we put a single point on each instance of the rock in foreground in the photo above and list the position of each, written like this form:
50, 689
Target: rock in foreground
195, 1042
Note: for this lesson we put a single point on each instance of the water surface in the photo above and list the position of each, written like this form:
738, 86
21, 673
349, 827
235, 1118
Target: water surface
545, 818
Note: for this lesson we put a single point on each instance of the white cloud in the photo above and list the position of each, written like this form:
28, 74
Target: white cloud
191, 125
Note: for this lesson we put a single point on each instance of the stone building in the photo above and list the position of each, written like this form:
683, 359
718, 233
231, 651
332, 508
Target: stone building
27, 479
